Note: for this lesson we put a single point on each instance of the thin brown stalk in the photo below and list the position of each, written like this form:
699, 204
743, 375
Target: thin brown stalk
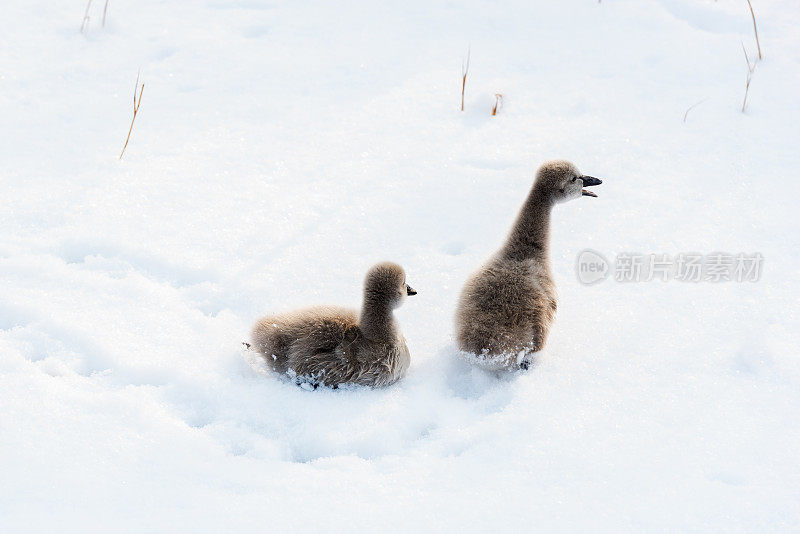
86, 16
690, 108
105, 9
750, 69
498, 103
136, 104
752, 14
464, 71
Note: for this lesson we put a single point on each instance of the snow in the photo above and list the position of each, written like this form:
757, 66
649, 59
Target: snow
282, 148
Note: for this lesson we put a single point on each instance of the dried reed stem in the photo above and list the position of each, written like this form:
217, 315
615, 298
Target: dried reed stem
464, 71
86, 16
750, 69
136, 104
752, 14
690, 108
498, 103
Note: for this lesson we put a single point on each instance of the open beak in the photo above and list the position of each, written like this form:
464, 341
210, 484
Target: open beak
587, 181
410, 290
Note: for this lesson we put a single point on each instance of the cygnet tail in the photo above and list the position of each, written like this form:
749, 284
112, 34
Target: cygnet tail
269, 341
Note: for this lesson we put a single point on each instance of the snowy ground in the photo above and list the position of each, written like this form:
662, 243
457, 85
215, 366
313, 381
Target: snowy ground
281, 148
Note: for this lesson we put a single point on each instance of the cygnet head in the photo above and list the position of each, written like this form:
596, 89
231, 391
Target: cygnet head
560, 181
386, 282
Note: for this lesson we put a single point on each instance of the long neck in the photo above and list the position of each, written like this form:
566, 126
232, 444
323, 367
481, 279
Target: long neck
530, 236
377, 321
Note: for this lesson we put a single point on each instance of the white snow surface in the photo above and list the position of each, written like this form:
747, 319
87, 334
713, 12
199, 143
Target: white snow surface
281, 148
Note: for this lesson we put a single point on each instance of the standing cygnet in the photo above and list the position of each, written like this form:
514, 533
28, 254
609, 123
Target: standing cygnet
506, 308
331, 346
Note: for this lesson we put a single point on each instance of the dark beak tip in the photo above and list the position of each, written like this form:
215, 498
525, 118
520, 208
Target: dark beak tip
591, 180
410, 291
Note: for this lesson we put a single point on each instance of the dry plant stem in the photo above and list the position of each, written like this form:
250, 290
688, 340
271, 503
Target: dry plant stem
691, 108
752, 14
105, 9
136, 104
498, 103
464, 71
86, 15
750, 69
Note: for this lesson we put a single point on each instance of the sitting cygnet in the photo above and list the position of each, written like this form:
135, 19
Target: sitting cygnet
506, 308
332, 346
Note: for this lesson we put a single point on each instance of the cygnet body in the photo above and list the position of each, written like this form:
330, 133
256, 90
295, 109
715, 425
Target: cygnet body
331, 346
507, 307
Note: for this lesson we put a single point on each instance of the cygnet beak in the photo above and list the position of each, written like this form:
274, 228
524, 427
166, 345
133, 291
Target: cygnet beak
587, 181
410, 290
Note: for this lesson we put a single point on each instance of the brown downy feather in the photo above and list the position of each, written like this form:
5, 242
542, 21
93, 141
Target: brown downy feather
333, 346
506, 308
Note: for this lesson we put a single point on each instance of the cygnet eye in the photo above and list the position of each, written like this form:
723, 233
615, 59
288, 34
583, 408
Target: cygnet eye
574, 178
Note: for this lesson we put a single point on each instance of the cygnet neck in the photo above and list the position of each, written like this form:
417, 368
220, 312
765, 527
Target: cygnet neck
530, 235
377, 321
